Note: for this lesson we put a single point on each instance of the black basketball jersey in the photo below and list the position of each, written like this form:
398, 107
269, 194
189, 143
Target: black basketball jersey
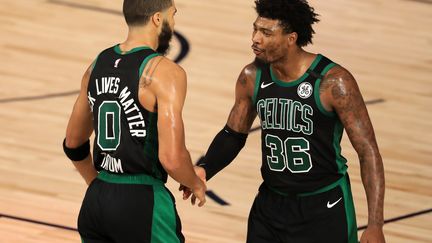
300, 140
126, 138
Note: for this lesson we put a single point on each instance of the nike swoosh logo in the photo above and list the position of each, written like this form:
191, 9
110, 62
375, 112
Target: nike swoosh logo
263, 86
330, 205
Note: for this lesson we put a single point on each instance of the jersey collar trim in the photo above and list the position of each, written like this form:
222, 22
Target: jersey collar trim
119, 51
299, 80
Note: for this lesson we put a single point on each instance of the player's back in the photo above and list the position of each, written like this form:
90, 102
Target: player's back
126, 138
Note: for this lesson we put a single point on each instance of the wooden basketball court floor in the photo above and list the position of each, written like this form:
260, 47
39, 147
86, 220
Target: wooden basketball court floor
45, 46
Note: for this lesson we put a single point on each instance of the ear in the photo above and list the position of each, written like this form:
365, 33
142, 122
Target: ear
157, 19
292, 38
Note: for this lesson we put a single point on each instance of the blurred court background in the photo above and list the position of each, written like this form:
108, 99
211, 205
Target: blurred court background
45, 46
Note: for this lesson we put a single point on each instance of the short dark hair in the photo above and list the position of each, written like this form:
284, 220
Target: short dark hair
294, 16
138, 12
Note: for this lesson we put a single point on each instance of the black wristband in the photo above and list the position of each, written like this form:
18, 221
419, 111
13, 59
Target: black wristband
222, 151
77, 154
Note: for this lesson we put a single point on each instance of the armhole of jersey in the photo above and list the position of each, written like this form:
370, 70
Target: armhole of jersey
144, 63
92, 69
94, 62
317, 93
257, 84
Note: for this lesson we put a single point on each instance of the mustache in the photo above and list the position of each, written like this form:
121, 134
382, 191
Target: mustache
255, 47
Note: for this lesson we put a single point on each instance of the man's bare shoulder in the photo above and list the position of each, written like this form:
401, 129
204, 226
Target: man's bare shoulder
250, 71
168, 67
248, 75
161, 71
337, 80
337, 72
86, 78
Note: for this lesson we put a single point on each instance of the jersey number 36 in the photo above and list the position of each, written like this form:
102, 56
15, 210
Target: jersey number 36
291, 154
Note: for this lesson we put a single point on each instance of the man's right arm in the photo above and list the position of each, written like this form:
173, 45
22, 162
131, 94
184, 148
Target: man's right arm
170, 91
79, 129
230, 140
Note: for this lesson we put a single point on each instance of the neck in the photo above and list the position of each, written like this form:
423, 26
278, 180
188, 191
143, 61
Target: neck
293, 65
140, 36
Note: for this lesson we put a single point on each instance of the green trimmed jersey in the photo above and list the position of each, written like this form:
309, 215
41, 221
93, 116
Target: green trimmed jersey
300, 140
126, 138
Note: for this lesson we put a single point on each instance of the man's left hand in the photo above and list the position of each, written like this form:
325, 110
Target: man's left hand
373, 234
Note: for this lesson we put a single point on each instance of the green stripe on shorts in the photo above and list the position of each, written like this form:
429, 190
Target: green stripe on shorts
349, 211
164, 223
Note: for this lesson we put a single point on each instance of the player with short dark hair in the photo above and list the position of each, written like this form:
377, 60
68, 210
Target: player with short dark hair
304, 102
132, 97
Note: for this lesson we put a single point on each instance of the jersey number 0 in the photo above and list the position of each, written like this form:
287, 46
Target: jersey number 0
109, 129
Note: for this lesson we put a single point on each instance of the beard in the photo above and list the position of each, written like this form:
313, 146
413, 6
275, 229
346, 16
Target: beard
260, 62
164, 38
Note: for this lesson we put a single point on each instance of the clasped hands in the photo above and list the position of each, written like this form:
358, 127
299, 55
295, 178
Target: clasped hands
199, 191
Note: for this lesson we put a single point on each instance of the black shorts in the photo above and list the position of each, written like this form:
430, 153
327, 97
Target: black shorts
128, 209
324, 216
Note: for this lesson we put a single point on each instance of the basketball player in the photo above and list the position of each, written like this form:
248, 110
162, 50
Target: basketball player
132, 97
304, 101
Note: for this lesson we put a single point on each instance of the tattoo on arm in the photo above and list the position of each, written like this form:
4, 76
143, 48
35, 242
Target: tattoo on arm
241, 117
243, 113
243, 81
147, 77
351, 109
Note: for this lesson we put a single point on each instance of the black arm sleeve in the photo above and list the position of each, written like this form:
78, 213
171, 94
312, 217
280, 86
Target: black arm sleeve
224, 148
